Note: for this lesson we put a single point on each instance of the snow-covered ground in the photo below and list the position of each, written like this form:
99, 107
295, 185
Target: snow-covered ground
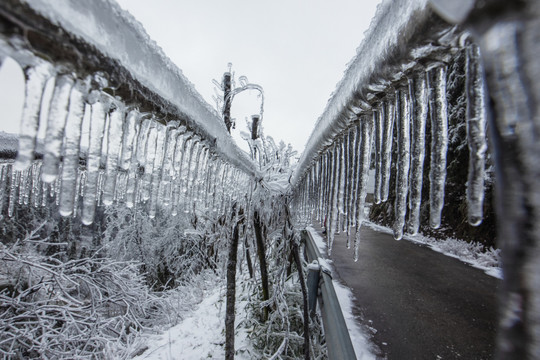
201, 335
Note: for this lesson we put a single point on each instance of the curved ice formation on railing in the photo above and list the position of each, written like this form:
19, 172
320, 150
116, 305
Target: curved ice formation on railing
394, 87
108, 68
117, 35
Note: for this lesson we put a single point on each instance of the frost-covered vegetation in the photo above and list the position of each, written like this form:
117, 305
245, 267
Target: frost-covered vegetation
73, 291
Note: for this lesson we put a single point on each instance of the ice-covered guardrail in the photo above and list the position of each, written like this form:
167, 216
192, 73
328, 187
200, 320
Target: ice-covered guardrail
152, 136
399, 75
392, 88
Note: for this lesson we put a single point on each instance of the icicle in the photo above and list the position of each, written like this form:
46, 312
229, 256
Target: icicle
15, 176
161, 133
209, 180
217, 171
58, 183
341, 194
58, 112
114, 146
4, 169
72, 139
403, 118
322, 177
121, 186
100, 109
150, 156
142, 127
44, 191
129, 138
168, 160
21, 186
476, 134
79, 190
177, 167
388, 114
363, 175
193, 151
200, 163
378, 133
420, 111
439, 144
100, 185
37, 186
36, 78
142, 140
331, 229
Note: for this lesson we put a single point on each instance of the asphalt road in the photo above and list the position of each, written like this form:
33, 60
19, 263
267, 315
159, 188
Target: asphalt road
422, 304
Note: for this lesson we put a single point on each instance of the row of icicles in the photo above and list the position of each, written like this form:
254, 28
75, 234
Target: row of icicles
335, 187
130, 157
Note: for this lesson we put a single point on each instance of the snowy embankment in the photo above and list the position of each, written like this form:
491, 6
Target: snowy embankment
359, 337
201, 335
473, 254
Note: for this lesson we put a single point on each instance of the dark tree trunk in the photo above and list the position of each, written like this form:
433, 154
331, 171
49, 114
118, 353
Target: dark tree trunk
261, 253
248, 259
231, 288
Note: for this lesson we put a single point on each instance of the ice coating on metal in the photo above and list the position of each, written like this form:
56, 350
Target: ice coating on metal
392, 27
118, 35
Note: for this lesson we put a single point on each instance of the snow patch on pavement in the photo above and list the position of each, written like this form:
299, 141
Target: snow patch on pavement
473, 254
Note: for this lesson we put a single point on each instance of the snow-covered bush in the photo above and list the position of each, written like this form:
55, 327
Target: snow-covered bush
170, 250
76, 309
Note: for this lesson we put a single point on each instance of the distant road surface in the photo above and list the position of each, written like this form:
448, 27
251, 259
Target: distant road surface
422, 304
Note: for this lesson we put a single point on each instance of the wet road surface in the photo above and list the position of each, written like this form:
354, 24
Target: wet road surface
422, 304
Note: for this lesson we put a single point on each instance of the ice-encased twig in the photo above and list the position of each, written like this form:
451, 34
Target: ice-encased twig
420, 111
476, 133
439, 143
363, 174
403, 119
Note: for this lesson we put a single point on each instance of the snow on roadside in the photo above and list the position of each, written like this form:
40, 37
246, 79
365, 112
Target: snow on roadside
201, 335
470, 253
359, 338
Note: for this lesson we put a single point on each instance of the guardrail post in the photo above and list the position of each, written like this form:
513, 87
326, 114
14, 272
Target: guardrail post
313, 286
338, 340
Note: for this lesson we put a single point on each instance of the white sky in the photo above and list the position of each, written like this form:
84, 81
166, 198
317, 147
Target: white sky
297, 50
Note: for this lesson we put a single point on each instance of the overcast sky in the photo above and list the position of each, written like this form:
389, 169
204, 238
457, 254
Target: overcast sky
297, 50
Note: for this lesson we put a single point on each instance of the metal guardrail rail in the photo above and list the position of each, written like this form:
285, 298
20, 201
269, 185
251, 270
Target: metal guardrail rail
338, 340
152, 138
114, 43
